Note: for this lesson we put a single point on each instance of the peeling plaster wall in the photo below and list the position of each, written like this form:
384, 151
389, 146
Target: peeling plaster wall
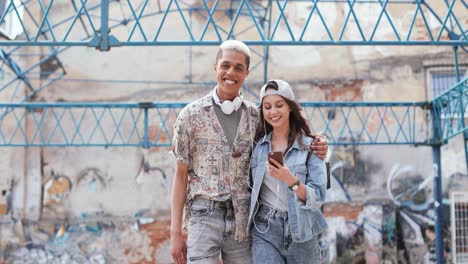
96, 175
12, 169
112, 204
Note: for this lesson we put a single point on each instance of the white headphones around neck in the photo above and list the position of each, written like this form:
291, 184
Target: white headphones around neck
228, 106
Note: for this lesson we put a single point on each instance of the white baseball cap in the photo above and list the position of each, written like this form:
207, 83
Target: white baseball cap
284, 89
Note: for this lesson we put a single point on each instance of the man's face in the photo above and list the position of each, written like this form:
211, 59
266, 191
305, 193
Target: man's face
231, 71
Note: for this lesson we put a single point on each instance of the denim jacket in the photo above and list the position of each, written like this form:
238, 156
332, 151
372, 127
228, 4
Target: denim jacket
305, 218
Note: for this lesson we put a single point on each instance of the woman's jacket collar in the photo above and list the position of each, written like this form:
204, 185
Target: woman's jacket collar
296, 145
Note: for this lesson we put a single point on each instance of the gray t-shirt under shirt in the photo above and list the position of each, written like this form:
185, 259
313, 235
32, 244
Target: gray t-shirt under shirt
229, 123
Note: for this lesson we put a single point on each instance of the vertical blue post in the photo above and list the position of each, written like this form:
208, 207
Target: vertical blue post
102, 39
266, 48
191, 52
465, 136
438, 204
146, 136
457, 68
265, 63
145, 105
104, 25
438, 223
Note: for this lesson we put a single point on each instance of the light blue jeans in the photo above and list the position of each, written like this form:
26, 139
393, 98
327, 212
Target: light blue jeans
272, 242
211, 233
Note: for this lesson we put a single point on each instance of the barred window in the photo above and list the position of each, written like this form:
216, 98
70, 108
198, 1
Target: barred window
440, 79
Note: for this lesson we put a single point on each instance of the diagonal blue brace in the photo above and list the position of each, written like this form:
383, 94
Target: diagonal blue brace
16, 69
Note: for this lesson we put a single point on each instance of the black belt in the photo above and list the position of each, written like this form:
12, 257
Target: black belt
213, 204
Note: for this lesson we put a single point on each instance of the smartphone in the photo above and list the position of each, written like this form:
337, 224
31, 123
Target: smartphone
276, 155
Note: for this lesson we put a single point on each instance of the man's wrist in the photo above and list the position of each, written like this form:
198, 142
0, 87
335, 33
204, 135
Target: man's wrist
176, 232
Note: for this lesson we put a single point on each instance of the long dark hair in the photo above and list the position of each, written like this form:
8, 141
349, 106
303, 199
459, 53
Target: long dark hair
297, 123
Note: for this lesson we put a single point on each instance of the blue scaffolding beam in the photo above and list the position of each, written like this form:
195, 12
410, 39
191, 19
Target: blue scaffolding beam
451, 110
149, 124
269, 22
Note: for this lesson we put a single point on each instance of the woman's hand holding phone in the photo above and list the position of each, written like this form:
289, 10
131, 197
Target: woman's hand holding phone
277, 156
277, 169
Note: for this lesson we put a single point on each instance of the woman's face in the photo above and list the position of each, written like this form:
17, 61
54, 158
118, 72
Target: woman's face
276, 111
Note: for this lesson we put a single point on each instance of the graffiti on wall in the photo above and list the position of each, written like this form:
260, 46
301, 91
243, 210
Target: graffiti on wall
398, 228
93, 236
56, 190
352, 169
359, 232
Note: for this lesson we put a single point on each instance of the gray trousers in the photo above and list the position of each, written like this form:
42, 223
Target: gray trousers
211, 235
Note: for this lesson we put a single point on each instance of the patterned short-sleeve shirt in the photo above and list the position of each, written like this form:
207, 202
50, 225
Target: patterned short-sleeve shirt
217, 170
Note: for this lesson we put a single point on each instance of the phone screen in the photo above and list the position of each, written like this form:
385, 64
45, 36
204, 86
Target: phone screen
276, 155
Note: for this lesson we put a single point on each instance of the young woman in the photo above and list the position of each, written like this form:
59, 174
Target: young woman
285, 217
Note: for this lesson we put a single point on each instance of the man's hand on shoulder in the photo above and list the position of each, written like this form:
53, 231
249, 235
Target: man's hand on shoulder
320, 146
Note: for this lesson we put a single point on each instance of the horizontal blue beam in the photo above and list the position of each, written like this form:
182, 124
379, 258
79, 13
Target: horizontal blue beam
149, 23
138, 105
149, 124
250, 43
141, 105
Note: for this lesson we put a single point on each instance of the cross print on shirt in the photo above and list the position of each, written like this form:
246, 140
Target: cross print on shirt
213, 164
212, 160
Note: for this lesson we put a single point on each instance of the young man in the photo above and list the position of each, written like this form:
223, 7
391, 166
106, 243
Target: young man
213, 140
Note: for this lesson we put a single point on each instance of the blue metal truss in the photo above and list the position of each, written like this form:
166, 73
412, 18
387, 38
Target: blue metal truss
128, 124
10, 56
150, 124
451, 110
89, 23
209, 22
21, 67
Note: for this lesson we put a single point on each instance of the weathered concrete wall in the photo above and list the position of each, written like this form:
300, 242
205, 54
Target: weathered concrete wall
112, 204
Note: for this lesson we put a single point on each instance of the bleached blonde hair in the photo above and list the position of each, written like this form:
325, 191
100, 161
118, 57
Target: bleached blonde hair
235, 45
